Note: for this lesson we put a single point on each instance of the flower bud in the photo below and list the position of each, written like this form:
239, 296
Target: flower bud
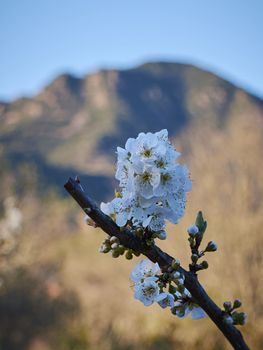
114, 246
173, 310
237, 304
228, 319
193, 230
121, 249
176, 275
240, 318
227, 305
106, 241
172, 289
175, 264
162, 235
128, 255
136, 253
204, 265
114, 239
194, 258
181, 311
104, 249
211, 247
180, 281
115, 253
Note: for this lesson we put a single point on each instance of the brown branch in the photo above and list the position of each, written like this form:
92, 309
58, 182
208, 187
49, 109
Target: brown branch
155, 254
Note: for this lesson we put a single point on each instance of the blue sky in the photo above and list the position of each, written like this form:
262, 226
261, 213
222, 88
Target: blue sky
40, 39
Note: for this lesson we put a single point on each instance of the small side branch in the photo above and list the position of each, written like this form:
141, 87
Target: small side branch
155, 254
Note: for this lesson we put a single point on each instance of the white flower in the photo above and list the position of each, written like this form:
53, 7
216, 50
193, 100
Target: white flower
185, 306
119, 209
146, 181
153, 186
165, 300
197, 312
147, 291
144, 269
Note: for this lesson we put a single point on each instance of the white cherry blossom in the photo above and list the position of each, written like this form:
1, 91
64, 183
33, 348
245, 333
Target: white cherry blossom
144, 269
185, 306
165, 300
152, 185
147, 291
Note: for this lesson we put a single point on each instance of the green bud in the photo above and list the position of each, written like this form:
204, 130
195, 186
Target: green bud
227, 305
175, 264
128, 255
204, 265
172, 289
104, 248
211, 247
173, 310
239, 318
194, 258
237, 304
121, 249
181, 311
136, 253
106, 241
115, 253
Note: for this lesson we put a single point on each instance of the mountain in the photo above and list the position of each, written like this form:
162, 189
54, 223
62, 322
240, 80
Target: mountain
74, 125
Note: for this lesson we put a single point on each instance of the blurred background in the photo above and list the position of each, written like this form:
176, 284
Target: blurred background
76, 80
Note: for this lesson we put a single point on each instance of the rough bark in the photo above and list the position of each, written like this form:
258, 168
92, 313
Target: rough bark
155, 254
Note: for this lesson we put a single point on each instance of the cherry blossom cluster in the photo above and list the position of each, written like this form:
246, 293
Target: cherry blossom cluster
150, 286
153, 186
231, 316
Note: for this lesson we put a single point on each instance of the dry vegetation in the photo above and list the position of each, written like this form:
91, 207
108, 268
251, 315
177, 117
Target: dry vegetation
62, 252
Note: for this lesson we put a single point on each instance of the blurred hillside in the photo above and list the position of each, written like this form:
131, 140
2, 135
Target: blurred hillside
73, 127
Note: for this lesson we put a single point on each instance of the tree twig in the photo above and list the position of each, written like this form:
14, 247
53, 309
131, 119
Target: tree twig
155, 254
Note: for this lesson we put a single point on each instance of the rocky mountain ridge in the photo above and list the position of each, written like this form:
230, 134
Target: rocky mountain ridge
75, 124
